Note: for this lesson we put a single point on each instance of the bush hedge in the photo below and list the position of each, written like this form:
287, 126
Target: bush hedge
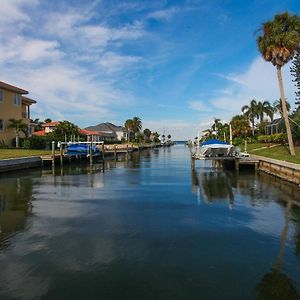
277, 138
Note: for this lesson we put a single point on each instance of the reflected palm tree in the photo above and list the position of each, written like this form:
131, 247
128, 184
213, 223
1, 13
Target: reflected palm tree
276, 285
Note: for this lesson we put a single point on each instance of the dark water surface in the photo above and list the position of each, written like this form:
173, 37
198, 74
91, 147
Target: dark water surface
148, 229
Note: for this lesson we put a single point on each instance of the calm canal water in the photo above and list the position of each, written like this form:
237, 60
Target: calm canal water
148, 229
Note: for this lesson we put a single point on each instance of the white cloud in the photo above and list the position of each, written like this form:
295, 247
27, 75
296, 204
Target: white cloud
112, 62
199, 106
179, 129
164, 14
258, 82
11, 11
20, 49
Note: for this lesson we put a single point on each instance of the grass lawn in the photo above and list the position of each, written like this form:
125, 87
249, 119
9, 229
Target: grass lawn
13, 153
279, 152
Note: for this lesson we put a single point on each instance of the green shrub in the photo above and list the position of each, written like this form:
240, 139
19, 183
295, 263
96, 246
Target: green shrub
277, 138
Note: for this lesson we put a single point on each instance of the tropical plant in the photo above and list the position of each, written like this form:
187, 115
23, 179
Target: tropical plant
137, 124
240, 126
64, 130
37, 124
251, 112
147, 134
295, 71
47, 120
169, 136
277, 106
133, 126
265, 108
278, 42
19, 126
129, 127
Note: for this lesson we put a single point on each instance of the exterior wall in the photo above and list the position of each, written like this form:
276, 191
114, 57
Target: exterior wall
8, 110
120, 135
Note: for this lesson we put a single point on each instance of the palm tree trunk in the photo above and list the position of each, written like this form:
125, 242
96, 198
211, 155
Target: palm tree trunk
284, 112
17, 140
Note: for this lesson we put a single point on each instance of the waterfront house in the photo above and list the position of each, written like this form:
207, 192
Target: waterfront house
46, 128
109, 131
13, 105
91, 136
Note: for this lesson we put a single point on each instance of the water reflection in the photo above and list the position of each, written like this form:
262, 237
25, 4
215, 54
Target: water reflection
135, 232
15, 206
212, 186
217, 185
276, 285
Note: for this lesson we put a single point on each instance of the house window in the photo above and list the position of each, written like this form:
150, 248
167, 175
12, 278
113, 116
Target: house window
17, 99
1, 96
1, 125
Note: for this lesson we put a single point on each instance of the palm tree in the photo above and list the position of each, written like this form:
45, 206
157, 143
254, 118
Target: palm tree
277, 106
265, 108
18, 126
147, 133
137, 124
37, 124
129, 127
169, 136
47, 120
278, 44
251, 112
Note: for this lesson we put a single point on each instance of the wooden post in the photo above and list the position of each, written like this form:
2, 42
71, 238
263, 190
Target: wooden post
193, 163
237, 165
61, 154
91, 154
53, 153
103, 158
127, 152
115, 151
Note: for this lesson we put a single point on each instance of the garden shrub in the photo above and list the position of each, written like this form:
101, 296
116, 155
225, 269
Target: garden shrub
277, 138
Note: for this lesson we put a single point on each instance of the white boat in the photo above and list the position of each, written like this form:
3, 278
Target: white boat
215, 148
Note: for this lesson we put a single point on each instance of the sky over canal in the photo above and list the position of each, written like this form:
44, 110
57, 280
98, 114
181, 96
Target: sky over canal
175, 64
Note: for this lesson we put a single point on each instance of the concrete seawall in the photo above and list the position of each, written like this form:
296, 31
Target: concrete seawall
282, 169
12, 164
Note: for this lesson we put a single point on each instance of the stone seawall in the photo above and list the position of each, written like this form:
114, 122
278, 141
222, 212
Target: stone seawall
282, 169
12, 164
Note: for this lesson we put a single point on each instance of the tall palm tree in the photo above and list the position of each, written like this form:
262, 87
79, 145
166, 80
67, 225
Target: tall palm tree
265, 108
18, 126
251, 112
278, 44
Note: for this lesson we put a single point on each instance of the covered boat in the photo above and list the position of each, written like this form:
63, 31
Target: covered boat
82, 149
216, 148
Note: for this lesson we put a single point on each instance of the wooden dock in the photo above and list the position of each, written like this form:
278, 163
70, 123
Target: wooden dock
228, 161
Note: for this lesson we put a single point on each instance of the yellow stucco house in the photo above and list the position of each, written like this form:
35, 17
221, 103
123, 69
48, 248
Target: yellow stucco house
13, 105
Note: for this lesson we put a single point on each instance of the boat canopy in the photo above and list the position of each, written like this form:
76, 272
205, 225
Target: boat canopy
213, 141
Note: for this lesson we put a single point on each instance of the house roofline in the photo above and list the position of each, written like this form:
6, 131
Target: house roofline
12, 88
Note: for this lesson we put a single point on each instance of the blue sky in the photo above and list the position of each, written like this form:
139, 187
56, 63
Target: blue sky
175, 64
